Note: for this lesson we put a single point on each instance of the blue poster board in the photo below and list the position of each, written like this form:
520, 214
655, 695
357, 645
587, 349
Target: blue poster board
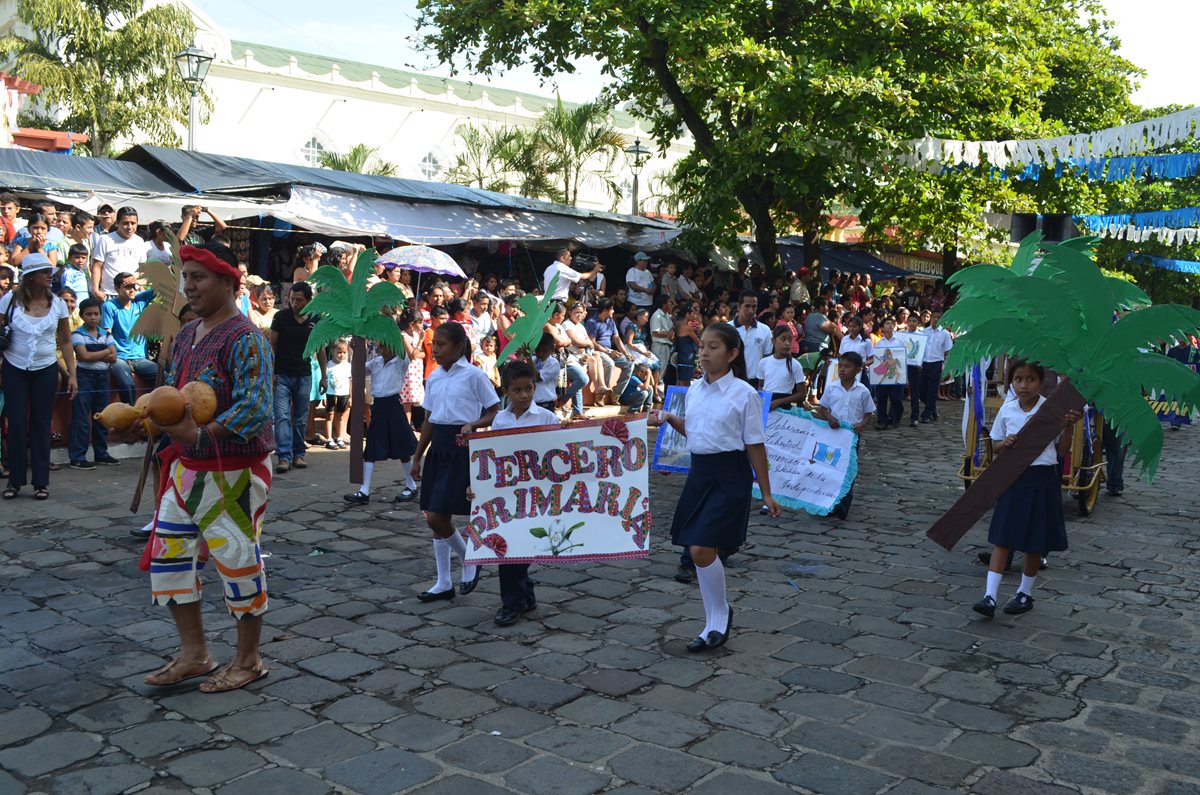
670, 448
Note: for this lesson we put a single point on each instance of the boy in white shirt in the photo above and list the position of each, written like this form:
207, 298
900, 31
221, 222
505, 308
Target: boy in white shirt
546, 392
518, 379
936, 349
847, 402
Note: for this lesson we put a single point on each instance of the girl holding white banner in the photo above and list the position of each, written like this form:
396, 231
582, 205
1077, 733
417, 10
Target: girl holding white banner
723, 425
459, 400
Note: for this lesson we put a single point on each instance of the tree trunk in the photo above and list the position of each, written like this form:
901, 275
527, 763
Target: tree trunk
949, 261
1042, 429
358, 405
812, 249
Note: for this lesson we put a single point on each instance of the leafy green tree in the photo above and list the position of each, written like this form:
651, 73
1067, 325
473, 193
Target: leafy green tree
106, 67
582, 145
360, 159
789, 104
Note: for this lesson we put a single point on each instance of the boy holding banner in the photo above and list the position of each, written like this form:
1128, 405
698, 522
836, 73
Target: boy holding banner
517, 381
847, 402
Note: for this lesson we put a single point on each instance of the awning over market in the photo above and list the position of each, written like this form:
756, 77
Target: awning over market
158, 181
835, 256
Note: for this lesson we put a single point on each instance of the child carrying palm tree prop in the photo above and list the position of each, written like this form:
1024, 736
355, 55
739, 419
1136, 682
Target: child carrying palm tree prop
1058, 310
349, 309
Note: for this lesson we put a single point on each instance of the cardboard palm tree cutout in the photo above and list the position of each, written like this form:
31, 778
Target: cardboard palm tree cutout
349, 309
1058, 311
161, 317
525, 332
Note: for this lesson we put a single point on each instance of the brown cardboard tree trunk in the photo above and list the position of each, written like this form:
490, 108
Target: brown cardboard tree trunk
1042, 429
358, 404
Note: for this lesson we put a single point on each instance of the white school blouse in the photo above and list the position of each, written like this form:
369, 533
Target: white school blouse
546, 388
940, 343
387, 377
723, 416
848, 406
776, 379
862, 347
534, 417
1011, 418
458, 395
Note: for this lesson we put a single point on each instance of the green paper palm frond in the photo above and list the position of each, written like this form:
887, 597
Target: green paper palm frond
526, 331
1059, 312
348, 308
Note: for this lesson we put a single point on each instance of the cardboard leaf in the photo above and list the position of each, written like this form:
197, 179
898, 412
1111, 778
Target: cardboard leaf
526, 331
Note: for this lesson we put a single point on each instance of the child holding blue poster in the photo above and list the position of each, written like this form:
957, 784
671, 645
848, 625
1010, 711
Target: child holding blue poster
726, 439
847, 402
517, 380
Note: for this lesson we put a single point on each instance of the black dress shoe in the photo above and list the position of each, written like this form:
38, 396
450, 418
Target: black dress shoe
985, 607
700, 644
467, 587
141, 533
685, 574
357, 498
431, 596
506, 617
716, 640
406, 495
1021, 603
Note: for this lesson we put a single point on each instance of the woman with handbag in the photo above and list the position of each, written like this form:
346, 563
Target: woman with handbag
35, 324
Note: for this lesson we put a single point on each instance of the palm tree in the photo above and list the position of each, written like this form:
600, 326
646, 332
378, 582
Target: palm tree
1057, 310
584, 146
349, 309
359, 160
503, 159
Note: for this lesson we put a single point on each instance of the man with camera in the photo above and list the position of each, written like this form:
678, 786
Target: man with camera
189, 233
567, 275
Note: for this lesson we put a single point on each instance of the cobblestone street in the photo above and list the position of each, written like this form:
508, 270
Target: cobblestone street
856, 665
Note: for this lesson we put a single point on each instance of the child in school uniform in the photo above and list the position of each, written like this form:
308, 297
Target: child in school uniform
1029, 516
780, 374
847, 402
546, 392
890, 397
723, 425
913, 326
459, 400
518, 379
389, 435
95, 350
337, 396
858, 341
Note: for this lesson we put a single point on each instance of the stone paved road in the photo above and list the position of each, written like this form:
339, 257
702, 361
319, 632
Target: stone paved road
862, 671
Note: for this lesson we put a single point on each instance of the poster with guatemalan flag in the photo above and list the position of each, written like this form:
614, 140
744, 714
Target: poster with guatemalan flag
560, 494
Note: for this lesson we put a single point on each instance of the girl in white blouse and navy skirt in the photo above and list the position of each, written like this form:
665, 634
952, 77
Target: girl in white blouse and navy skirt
459, 400
725, 436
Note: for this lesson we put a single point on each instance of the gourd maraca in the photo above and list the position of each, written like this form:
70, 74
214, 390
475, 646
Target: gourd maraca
118, 416
166, 404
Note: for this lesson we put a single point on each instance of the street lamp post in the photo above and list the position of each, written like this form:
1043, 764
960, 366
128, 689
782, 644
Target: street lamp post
638, 155
193, 66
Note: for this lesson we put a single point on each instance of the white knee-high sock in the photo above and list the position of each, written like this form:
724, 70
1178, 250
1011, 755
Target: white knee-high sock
1027, 584
368, 471
459, 546
441, 555
993, 583
408, 478
712, 593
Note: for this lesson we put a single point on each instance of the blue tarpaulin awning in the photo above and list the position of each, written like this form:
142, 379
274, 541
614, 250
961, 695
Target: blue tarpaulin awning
839, 257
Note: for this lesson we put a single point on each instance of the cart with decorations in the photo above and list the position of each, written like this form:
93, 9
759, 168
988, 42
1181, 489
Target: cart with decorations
1082, 468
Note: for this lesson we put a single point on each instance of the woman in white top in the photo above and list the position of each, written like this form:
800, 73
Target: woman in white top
40, 329
582, 348
577, 376
459, 399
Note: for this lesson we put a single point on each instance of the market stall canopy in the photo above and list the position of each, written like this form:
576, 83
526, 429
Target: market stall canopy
421, 212
834, 256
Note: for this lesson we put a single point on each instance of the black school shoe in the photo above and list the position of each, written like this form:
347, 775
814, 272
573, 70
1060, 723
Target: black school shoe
985, 607
1021, 603
435, 596
685, 574
714, 639
357, 498
506, 617
407, 495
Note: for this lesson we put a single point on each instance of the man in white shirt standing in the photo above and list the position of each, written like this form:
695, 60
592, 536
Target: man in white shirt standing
936, 349
756, 338
567, 275
119, 251
640, 281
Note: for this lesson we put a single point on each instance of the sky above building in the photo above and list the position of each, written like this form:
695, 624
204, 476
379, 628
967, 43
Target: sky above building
1155, 35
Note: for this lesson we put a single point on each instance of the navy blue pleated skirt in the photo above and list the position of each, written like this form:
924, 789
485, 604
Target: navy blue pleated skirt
714, 505
446, 473
389, 434
1029, 516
